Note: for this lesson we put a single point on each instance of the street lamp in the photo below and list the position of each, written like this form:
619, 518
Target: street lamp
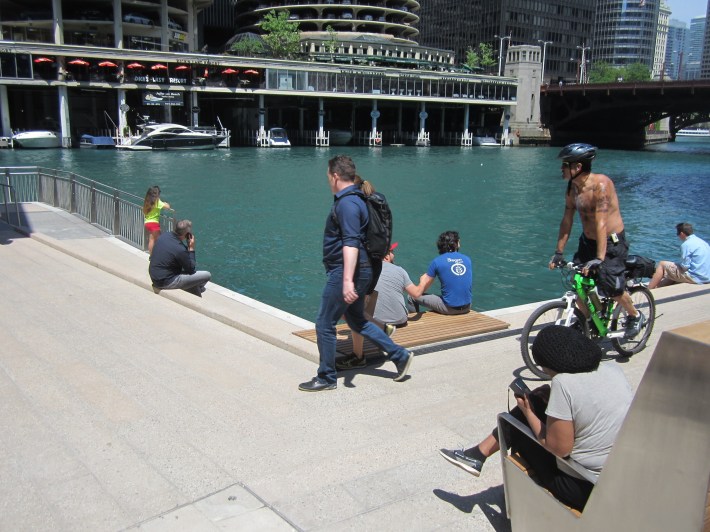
544, 49
583, 67
500, 51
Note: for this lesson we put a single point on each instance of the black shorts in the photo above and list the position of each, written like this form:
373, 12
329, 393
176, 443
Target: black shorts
610, 278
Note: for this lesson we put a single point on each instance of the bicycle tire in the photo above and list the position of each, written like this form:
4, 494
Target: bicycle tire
547, 314
644, 302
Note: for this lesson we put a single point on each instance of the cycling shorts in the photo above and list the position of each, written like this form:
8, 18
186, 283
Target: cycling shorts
611, 279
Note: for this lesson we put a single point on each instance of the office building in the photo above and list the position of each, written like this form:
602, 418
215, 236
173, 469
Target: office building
676, 48
625, 33
705, 65
696, 39
564, 24
659, 60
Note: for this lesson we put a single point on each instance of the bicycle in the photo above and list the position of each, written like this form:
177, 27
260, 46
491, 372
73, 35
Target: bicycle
606, 318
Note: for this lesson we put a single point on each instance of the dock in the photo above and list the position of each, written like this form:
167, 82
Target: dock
123, 409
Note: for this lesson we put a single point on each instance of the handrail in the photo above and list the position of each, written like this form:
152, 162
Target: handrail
115, 212
8, 189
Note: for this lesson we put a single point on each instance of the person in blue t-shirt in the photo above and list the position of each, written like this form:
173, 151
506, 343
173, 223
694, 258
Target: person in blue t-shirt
455, 274
694, 265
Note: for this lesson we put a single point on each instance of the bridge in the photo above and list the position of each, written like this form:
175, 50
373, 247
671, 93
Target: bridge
615, 115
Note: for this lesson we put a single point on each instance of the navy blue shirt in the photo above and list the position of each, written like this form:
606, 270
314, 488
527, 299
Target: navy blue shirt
349, 230
169, 259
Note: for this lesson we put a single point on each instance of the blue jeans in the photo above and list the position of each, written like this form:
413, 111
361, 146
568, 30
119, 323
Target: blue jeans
332, 307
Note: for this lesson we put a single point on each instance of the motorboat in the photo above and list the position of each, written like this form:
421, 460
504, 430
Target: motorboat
37, 139
221, 134
169, 137
90, 141
485, 141
693, 133
278, 138
339, 137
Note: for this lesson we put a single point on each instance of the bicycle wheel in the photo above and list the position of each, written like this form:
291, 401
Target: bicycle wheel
644, 302
550, 313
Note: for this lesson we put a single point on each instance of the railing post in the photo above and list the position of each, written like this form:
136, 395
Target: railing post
40, 187
116, 214
72, 194
92, 212
55, 202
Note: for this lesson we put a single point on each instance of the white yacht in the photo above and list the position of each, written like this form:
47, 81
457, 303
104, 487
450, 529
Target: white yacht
278, 138
693, 133
37, 139
169, 137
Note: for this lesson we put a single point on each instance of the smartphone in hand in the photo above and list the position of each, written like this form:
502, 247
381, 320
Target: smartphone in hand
519, 387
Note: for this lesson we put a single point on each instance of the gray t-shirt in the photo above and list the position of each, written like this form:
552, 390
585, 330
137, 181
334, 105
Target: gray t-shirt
390, 307
596, 402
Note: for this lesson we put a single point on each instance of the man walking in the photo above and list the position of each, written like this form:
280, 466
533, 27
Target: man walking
602, 244
694, 265
349, 274
172, 263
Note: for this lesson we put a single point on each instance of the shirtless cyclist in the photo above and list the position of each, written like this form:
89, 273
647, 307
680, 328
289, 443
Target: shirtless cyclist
602, 244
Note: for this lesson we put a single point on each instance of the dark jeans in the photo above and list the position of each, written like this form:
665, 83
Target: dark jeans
332, 307
570, 490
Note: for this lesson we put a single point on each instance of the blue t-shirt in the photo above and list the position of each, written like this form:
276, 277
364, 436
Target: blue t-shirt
695, 258
455, 273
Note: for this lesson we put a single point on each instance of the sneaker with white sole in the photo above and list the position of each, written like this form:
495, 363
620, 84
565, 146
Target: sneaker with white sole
458, 458
634, 325
350, 361
390, 329
403, 367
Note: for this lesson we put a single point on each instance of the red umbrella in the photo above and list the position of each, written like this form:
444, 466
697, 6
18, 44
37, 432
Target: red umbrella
182, 67
79, 62
134, 65
230, 71
107, 64
44, 60
251, 71
158, 67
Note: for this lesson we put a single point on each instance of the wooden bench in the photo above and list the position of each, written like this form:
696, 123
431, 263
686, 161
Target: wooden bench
422, 329
657, 476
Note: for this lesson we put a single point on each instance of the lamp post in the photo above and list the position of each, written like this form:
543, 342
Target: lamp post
583, 67
544, 49
500, 51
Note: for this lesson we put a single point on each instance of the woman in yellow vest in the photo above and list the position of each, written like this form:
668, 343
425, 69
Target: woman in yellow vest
152, 205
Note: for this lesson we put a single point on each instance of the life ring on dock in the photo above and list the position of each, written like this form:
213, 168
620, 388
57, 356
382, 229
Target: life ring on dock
378, 141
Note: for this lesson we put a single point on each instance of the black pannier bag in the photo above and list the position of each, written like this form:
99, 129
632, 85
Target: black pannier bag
638, 266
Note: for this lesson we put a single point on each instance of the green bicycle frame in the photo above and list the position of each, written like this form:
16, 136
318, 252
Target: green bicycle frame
600, 318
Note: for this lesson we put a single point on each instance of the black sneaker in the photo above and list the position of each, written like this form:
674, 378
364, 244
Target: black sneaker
403, 367
350, 361
316, 385
634, 325
458, 458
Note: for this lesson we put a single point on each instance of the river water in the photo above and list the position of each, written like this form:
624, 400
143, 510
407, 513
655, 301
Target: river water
258, 214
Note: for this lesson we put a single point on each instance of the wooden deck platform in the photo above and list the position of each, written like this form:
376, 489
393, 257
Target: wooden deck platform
422, 329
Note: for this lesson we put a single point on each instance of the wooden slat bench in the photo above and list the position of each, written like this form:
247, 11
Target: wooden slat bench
422, 329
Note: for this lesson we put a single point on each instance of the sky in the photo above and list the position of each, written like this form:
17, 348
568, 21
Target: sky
684, 10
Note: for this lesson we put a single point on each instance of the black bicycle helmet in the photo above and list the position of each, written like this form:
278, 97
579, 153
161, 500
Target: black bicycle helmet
577, 152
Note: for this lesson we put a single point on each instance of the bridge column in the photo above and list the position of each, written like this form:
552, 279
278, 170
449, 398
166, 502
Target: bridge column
322, 137
467, 138
5, 112
64, 122
262, 139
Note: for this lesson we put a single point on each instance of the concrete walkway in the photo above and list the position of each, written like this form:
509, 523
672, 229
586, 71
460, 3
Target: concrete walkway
122, 409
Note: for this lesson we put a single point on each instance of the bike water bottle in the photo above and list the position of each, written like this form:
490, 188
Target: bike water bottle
594, 297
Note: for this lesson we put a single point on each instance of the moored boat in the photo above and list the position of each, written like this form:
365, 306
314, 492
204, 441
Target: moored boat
90, 141
339, 137
169, 137
485, 141
278, 138
37, 139
693, 133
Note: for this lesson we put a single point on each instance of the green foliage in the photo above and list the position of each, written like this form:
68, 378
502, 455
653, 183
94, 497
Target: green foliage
248, 47
480, 57
602, 72
281, 34
331, 44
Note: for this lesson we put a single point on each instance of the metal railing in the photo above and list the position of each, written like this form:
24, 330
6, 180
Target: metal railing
113, 211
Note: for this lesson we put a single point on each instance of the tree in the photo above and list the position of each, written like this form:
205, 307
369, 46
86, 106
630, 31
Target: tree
637, 72
248, 47
281, 34
331, 43
480, 57
602, 72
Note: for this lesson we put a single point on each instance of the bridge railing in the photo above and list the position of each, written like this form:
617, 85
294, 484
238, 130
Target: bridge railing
113, 211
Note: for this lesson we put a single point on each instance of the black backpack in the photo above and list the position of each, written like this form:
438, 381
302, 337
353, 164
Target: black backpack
378, 235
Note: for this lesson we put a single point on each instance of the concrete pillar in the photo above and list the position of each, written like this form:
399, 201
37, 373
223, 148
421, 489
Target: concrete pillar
117, 24
64, 122
422, 116
192, 43
57, 23
321, 114
262, 112
5, 112
164, 32
122, 110
374, 114
194, 105
466, 111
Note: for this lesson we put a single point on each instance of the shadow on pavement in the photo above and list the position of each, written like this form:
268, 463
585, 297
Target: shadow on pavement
490, 501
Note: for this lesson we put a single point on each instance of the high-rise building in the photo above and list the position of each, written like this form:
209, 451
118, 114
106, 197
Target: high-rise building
705, 65
659, 59
565, 25
625, 32
696, 38
676, 48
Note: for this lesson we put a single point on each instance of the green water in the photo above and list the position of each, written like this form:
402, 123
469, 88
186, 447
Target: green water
258, 214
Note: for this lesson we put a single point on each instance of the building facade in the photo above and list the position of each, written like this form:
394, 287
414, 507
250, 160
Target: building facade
659, 60
676, 48
705, 65
696, 39
625, 33
564, 24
